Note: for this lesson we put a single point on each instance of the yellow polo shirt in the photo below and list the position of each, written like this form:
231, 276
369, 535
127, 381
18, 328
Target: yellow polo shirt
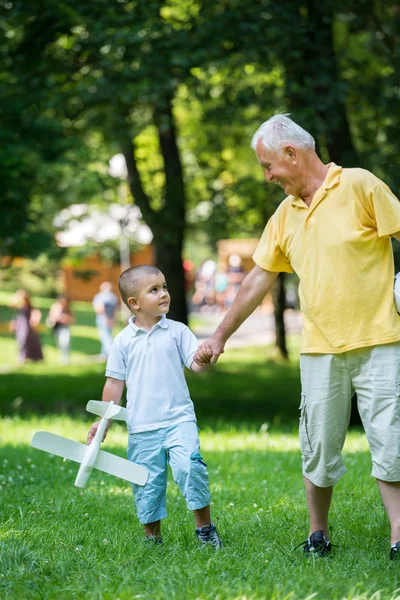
340, 248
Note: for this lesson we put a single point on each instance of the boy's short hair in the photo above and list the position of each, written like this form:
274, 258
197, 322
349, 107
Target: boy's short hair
129, 281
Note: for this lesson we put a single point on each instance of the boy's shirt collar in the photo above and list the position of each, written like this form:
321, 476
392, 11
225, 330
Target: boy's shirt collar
134, 329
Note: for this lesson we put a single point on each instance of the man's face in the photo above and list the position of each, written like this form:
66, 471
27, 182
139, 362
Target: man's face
279, 167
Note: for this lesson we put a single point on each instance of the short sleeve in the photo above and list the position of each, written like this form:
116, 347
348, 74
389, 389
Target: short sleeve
188, 345
116, 363
268, 254
386, 208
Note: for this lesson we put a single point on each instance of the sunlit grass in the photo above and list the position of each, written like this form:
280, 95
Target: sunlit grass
57, 541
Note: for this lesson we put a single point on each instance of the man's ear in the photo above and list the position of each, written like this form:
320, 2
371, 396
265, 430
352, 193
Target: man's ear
291, 153
133, 303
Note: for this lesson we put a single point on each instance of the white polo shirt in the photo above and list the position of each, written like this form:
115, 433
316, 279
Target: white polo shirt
152, 365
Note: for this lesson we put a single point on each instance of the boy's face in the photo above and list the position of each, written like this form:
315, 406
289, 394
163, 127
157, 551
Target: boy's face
153, 298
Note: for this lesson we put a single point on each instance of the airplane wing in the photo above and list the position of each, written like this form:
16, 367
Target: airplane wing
120, 467
58, 445
109, 463
119, 413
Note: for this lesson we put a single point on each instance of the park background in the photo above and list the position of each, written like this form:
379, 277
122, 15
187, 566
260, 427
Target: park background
177, 88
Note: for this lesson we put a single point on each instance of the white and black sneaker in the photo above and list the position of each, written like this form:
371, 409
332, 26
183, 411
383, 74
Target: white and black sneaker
395, 551
208, 534
317, 545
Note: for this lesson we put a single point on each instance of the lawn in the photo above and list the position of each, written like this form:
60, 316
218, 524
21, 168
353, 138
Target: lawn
60, 542
247, 386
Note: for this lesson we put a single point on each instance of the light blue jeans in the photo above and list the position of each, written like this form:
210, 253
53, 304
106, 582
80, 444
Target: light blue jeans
179, 446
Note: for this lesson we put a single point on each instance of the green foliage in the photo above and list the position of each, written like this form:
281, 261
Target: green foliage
38, 276
179, 88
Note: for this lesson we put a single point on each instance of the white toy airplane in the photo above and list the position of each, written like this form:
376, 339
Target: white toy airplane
91, 457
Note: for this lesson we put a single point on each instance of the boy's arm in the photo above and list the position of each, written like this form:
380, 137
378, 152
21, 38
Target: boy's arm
199, 368
112, 392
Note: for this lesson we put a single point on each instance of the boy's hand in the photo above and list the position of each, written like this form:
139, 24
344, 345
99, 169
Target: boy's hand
203, 355
93, 431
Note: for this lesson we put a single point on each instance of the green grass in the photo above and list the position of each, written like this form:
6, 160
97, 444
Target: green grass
247, 386
57, 541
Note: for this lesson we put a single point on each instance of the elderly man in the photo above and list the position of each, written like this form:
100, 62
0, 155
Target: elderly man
333, 229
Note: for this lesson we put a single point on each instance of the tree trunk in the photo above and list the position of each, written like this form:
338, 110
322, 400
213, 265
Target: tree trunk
168, 223
169, 260
279, 300
313, 85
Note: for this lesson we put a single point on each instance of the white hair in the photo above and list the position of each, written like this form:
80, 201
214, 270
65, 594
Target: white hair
280, 130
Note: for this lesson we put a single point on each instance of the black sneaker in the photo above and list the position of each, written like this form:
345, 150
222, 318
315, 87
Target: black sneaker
317, 545
395, 551
208, 534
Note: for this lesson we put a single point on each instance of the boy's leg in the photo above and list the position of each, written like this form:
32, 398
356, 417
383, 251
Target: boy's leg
153, 529
152, 532
202, 516
146, 449
187, 465
190, 473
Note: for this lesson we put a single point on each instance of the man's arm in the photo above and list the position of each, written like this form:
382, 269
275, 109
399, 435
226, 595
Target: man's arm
112, 392
253, 289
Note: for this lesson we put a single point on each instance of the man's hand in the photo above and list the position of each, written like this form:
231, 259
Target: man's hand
209, 351
93, 431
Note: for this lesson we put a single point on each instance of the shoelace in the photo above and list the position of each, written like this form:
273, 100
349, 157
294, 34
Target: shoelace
324, 543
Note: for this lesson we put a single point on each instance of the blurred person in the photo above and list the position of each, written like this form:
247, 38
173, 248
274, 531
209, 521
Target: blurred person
221, 287
24, 325
236, 275
334, 231
204, 295
190, 275
60, 319
105, 305
149, 356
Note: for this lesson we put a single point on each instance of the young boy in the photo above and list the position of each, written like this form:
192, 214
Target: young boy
149, 355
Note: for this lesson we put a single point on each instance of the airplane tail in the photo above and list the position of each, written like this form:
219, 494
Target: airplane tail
114, 411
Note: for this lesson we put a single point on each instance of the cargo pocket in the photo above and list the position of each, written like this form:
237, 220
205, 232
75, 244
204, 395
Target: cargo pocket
198, 458
305, 442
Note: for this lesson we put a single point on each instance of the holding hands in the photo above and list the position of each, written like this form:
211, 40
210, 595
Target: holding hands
209, 351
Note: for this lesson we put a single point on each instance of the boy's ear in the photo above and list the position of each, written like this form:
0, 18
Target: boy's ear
133, 303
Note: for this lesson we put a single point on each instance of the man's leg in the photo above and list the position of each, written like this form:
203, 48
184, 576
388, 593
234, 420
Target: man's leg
318, 502
324, 418
390, 493
378, 392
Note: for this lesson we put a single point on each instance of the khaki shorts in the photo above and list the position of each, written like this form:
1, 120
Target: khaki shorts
328, 382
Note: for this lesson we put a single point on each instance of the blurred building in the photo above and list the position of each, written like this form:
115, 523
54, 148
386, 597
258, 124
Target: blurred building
82, 282
80, 224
